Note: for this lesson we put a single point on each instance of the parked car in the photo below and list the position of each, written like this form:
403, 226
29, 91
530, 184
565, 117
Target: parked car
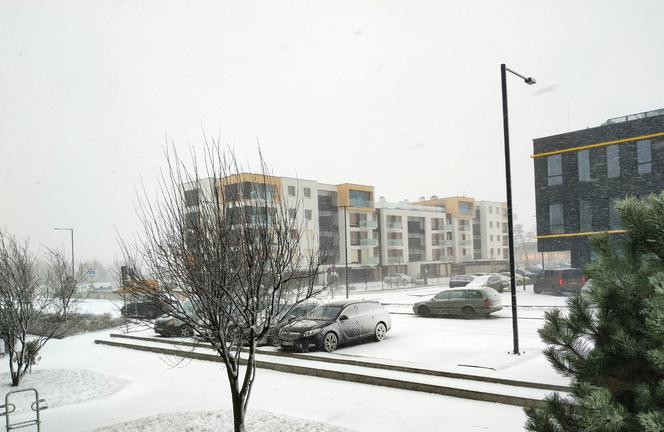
520, 279
460, 280
496, 282
397, 279
535, 270
167, 325
558, 281
468, 302
337, 323
289, 315
140, 310
525, 273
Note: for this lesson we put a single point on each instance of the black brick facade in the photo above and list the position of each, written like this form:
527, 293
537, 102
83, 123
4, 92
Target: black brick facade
601, 190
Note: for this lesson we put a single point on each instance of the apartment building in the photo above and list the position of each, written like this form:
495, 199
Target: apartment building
415, 239
461, 211
579, 176
490, 238
333, 218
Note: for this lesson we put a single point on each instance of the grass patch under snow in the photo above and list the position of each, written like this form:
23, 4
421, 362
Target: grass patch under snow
220, 421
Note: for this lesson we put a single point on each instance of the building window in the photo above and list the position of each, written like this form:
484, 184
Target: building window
554, 167
307, 192
585, 216
291, 190
191, 197
450, 251
491, 252
292, 213
583, 158
491, 236
465, 208
490, 224
490, 209
644, 156
556, 223
307, 214
613, 161
614, 218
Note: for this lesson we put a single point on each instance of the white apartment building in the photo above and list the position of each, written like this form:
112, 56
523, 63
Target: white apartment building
490, 240
415, 238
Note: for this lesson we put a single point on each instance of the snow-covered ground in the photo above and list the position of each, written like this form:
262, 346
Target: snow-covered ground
157, 387
220, 421
60, 387
99, 307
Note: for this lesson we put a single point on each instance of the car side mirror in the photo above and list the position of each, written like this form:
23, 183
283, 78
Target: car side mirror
343, 318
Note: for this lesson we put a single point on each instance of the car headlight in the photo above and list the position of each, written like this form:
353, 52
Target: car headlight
311, 332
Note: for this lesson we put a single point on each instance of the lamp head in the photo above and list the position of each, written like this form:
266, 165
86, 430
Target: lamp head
530, 81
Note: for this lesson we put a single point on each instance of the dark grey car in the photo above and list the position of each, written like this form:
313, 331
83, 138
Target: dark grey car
337, 323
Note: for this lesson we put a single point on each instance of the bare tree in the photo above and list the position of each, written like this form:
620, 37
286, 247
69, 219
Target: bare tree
226, 258
521, 239
29, 301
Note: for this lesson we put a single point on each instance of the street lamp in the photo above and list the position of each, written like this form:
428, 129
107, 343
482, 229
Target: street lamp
508, 181
346, 246
71, 231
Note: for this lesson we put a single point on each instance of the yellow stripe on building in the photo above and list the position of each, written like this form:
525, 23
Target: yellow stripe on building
589, 233
602, 144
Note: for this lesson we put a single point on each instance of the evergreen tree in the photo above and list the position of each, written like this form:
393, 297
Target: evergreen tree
611, 342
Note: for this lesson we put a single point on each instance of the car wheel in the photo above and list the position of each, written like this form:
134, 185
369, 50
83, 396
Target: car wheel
275, 342
424, 311
330, 342
537, 290
186, 331
468, 312
379, 331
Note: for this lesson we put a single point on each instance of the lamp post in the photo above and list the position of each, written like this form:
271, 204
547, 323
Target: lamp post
346, 246
71, 231
508, 182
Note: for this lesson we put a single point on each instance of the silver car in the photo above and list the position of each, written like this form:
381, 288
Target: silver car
337, 323
468, 302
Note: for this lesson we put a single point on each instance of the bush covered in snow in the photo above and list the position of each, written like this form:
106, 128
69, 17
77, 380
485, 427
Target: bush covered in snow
77, 323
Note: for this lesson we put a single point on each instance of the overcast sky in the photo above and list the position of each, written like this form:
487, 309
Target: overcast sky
402, 95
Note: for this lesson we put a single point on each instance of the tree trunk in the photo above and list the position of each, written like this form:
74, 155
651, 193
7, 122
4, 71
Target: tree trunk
16, 376
238, 414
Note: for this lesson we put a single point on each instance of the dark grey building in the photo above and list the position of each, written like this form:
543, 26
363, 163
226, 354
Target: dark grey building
579, 175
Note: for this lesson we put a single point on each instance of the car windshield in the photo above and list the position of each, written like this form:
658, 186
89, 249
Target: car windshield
325, 312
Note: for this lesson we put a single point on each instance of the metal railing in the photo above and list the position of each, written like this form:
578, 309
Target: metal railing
10, 408
637, 116
394, 225
395, 242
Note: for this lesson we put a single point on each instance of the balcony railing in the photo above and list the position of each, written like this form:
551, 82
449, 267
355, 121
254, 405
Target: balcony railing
360, 203
464, 227
395, 260
394, 225
395, 242
465, 242
367, 224
369, 242
370, 261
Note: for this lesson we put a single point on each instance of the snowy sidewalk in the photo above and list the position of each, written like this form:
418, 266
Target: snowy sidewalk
419, 381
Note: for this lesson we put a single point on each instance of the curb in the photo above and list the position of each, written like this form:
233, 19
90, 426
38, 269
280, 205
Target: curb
385, 366
347, 376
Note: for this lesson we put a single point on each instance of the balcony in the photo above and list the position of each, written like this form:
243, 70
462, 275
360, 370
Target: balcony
395, 242
448, 227
465, 242
360, 203
370, 261
465, 227
395, 260
367, 224
369, 242
394, 225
